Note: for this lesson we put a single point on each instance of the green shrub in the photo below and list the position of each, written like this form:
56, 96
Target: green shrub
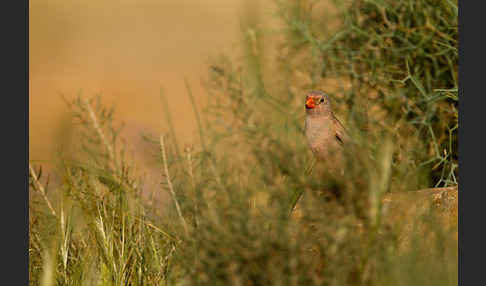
397, 63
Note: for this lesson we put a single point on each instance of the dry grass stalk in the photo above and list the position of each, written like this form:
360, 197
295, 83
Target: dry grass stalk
169, 183
38, 186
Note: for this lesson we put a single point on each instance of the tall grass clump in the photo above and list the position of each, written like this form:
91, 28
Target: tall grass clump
95, 230
248, 205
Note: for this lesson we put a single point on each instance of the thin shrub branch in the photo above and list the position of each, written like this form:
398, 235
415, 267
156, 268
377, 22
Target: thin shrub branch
38, 186
169, 182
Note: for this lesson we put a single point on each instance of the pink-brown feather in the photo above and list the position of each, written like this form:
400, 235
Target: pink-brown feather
325, 134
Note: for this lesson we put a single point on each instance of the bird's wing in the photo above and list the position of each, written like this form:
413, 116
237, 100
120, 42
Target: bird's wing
341, 133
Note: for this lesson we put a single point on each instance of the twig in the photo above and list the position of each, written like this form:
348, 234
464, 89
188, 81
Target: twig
201, 134
98, 130
171, 188
188, 151
38, 186
167, 113
196, 113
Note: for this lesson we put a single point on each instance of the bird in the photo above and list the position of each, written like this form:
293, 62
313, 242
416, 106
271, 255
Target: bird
326, 135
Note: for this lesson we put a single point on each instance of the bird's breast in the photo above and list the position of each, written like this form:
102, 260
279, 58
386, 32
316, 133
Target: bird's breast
317, 129
320, 135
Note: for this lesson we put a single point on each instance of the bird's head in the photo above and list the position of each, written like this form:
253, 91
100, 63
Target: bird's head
317, 102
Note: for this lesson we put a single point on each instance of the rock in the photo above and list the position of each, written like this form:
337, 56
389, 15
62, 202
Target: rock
421, 213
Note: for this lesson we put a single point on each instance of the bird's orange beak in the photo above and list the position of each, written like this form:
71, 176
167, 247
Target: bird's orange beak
309, 103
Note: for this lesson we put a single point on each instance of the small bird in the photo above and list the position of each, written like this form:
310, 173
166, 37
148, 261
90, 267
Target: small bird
326, 136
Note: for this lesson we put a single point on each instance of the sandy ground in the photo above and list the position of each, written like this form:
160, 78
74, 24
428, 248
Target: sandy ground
128, 51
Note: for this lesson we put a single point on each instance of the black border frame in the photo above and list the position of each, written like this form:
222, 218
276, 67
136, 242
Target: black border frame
471, 243
15, 140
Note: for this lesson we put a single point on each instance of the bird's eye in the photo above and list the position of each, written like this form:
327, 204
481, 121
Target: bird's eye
322, 99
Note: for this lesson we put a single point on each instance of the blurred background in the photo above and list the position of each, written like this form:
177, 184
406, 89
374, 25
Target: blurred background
127, 51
